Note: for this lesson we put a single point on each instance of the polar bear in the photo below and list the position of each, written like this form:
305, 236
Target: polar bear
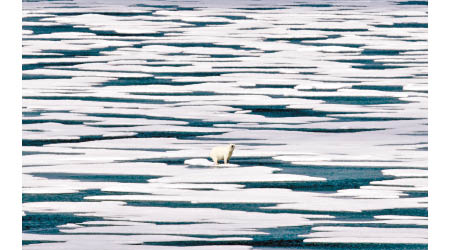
222, 153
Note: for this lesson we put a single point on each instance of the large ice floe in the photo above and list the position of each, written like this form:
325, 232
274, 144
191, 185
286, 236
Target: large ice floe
326, 104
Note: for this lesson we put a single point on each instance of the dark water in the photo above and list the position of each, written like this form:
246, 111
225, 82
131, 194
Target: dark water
325, 101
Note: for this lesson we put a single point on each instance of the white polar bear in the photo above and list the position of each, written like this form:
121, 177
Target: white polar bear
222, 153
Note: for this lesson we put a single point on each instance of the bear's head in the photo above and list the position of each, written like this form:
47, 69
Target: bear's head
231, 146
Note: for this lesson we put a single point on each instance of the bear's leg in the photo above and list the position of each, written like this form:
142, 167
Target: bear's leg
216, 161
225, 159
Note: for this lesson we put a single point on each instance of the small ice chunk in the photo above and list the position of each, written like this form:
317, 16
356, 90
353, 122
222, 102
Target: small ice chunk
199, 162
206, 163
